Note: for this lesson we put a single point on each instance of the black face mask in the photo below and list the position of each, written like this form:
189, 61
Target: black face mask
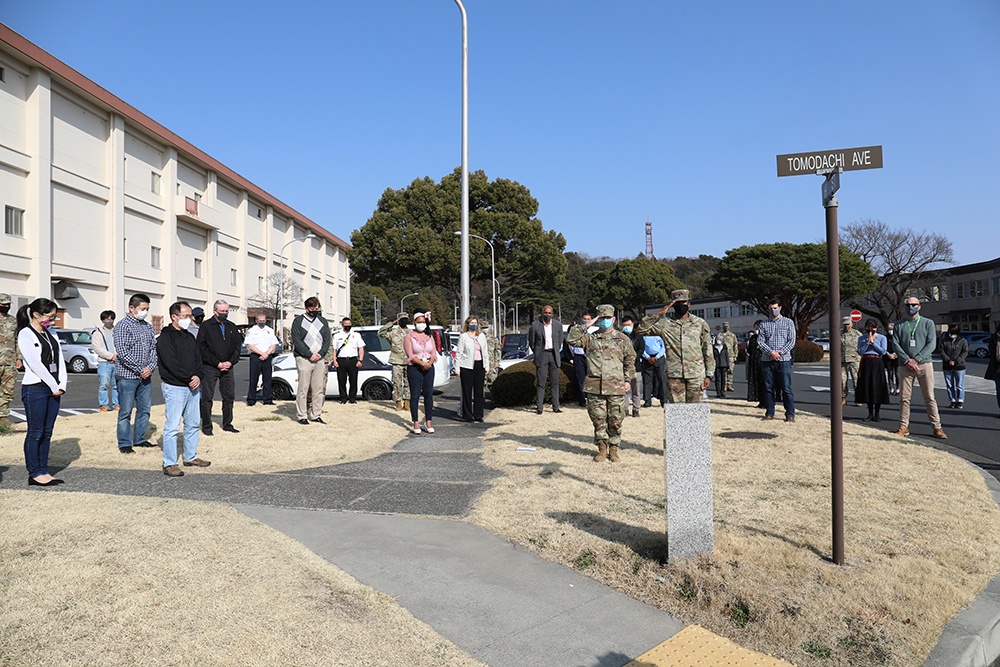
314, 313
347, 327
681, 309
403, 322
222, 317
4, 310
546, 318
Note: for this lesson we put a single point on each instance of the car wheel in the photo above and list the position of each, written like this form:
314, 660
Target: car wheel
78, 365
281, 391
376, 390
982, 353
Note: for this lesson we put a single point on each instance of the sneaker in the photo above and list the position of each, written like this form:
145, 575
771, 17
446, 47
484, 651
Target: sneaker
172, 471
126, 450
959, 405
304, 422
200, 463
103, 409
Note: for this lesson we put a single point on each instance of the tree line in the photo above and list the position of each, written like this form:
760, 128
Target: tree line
409, 245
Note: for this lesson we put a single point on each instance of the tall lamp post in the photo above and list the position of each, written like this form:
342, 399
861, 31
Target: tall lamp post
517, 314
465, 160
404, 299
281, 285
493, 265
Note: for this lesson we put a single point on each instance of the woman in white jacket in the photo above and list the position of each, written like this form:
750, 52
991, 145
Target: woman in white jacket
473, 357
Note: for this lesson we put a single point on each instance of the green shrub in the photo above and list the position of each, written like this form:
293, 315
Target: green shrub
806, 351
516, 385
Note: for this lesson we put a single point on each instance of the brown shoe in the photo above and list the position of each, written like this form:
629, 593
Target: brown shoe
613, 454
602, 453
201, 463
902, 430
790, 419
173, 471
939, 434
399, 405
766, 418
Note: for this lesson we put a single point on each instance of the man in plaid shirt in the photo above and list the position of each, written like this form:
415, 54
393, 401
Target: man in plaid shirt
134, 365
776, 340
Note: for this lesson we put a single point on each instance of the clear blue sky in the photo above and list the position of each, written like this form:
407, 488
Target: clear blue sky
612, 113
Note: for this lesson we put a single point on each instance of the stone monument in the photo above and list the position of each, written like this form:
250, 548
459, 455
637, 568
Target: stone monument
688, 460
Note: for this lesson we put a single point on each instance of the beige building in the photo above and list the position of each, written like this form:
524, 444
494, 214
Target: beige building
101, 201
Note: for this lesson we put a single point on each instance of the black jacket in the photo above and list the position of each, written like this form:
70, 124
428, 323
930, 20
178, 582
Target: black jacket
216, 347
178, 357
536, 339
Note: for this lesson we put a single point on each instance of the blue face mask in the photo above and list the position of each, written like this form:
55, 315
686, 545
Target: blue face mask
627, 329
473, 327
604, 323
912, 310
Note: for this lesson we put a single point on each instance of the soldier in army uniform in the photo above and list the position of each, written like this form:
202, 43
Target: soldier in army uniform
496, 354
849, 357
610, 369
395, 332
688, 340
733, 348
10, 357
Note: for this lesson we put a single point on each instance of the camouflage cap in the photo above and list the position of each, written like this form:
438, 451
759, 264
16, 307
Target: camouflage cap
725, 324
605, 310
400, 316
4, 297
846, 319
681, 295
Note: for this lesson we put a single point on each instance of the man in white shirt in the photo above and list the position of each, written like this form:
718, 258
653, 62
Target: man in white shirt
261, 342
350, 352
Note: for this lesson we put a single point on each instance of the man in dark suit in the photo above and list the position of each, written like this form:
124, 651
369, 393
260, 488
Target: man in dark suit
545, 340
219, 342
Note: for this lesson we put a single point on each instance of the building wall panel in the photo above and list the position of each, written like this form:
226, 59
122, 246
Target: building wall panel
79, 139
79, 228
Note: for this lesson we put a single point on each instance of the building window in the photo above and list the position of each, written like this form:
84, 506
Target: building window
154, 257
260, 284
3, 75
197, 268
13, 224
154, 182
197, 196
976, 288
960, 291
258, 212
232, 277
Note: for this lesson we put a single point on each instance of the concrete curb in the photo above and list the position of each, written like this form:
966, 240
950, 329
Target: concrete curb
972, 637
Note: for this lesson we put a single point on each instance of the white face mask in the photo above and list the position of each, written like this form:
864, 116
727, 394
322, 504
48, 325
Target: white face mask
421, 326
141, 314
185, 323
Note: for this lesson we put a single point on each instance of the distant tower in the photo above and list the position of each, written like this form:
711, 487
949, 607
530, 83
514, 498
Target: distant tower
649, 241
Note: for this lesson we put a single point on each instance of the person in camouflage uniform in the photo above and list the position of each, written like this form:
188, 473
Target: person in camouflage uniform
733, 348
849, 357
688, 340
496, 354
610, 369
395, 332
10, 357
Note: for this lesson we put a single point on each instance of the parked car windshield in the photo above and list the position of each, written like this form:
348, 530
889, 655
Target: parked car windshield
74, 337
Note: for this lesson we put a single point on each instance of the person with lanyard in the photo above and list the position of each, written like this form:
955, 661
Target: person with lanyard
421, 353
261, 343
472, 357
578, 357
350, 355
914, 343
220, 343
104, 346
870, 386
42, 387
310, 344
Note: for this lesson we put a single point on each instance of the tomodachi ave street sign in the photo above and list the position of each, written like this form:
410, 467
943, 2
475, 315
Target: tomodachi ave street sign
846, 159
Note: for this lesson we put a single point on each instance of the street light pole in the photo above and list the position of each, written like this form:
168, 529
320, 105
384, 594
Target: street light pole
404, 299
493, 264
281, 285
517, 313
465, 160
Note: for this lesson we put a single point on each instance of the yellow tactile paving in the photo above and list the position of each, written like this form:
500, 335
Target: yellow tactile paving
694, 646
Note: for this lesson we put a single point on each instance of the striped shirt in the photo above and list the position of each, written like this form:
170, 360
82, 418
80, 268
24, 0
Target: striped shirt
777, 335
136, 346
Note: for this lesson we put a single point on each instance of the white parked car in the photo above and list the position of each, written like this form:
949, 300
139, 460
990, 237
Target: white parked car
823, 343
379, 348
374, 379
77, 350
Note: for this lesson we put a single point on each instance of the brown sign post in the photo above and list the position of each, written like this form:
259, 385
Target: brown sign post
830, 164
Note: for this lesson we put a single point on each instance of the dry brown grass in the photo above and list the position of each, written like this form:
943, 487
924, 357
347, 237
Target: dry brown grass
104, 580
270, 440
922, 531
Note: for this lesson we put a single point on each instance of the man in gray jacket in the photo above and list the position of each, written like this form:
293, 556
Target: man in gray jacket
914, 343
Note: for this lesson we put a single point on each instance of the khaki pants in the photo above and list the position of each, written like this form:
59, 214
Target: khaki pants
312, 388
925, 376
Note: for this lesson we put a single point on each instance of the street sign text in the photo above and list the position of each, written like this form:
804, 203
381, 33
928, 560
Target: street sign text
846, 159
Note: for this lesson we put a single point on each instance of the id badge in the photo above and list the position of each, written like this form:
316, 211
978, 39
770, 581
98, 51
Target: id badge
913, 343
53, 368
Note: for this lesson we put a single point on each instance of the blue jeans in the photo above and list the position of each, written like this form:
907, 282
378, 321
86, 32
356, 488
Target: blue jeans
954, 382
777, 373
180, 402
133, 394
41, 408
106, 379
422, 382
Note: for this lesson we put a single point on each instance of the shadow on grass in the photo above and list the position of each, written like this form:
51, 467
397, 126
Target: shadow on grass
549, 469
3, 469
557, 440
766, 533
64, 452
647, 543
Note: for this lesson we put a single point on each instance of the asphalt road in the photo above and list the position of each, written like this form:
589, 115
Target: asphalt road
973, 433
